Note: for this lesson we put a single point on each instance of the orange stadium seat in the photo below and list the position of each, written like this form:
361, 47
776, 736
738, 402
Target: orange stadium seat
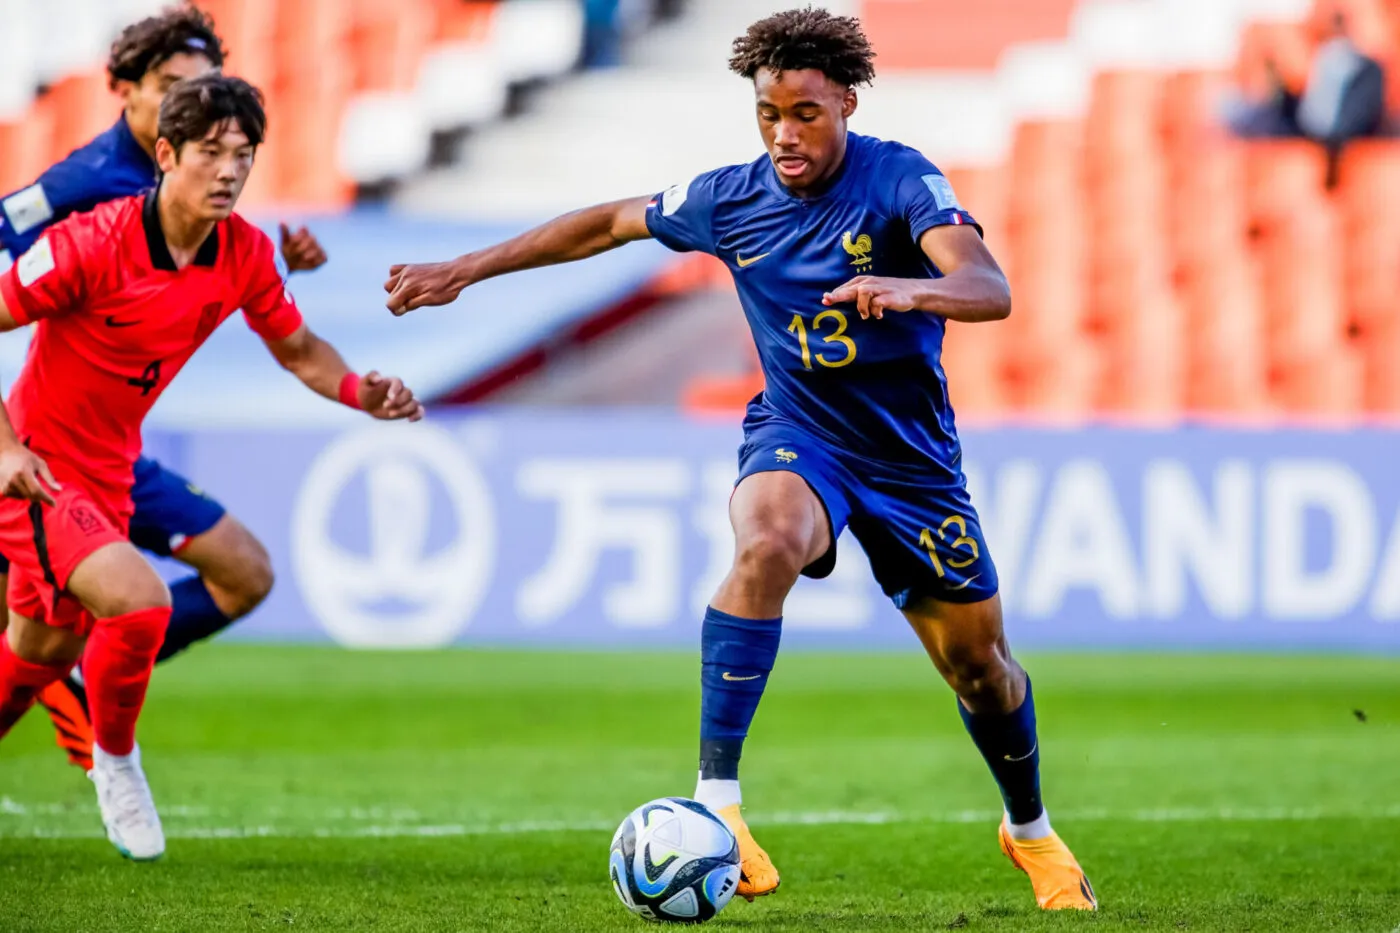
83, 106
721, 394
973, 361
1326, 384
1288, 45
1301, 271
1226, 362
249, 28
388, 41
26, 144
464, 20
1369, 186
975, 356
1381, 377
957, 34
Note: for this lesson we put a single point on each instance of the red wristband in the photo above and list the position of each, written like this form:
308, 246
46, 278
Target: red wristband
350, 391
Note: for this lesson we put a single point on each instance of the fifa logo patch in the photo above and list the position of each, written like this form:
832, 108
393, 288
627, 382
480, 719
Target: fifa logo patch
784, 455
859, 249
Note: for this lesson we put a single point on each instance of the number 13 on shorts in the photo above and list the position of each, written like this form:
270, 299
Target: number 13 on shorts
961, 550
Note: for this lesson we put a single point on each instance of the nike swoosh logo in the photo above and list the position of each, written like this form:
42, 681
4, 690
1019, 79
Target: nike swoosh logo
745, 263
965, 584
1025, 756
729, 676
113, 322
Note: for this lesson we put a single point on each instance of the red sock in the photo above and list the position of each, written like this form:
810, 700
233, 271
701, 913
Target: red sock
116, 669
20, 683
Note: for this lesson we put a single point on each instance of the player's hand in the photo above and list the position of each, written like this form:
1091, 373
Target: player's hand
24, 474
874, 295
301, 250
388, 399
421, 285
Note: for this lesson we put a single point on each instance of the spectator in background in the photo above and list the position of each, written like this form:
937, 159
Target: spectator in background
602, 42
1345, 96
610, 23
1344, 99
1274, 116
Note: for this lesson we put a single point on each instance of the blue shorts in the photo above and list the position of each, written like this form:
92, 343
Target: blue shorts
923, 538
170, 510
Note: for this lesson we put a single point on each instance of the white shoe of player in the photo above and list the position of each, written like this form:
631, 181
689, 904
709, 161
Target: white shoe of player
128, 811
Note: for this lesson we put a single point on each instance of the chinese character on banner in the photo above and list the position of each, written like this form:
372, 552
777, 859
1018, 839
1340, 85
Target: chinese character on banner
608, 504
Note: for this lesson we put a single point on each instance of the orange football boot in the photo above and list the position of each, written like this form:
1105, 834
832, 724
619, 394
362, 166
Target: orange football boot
66, 703
757, 876
1058, 881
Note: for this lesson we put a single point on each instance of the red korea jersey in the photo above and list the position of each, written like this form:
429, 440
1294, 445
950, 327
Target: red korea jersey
116, 322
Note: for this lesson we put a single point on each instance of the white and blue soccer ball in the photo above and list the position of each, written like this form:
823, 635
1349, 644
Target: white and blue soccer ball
673, 860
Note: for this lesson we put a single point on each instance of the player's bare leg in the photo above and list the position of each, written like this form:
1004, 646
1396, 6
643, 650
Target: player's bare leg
32, 656
131, 606
968, 647
234, 564
235, 576
66, 703
780, 527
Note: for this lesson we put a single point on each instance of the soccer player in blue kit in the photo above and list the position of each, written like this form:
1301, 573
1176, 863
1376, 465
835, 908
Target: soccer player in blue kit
849, 253
173, 517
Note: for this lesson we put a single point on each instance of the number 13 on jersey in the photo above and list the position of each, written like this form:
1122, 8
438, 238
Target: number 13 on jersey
837, 335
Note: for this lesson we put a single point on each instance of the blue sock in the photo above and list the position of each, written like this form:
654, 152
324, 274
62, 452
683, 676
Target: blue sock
736, 658
194, 617
1008, 742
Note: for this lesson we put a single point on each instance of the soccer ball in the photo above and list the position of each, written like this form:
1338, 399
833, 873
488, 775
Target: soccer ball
674, 860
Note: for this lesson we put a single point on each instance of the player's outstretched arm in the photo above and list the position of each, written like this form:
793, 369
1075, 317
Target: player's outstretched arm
321, 369
973, 287
569, 238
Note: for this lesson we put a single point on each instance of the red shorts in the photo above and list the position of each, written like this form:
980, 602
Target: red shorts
45, 544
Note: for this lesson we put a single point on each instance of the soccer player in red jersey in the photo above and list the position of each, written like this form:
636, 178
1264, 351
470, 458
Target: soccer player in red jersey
123, 297
173, 518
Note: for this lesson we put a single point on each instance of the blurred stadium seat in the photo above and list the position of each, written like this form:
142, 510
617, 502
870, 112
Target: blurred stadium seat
969, 35
359, 84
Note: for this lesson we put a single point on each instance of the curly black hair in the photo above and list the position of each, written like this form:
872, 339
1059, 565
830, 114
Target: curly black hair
806, 38
153, 41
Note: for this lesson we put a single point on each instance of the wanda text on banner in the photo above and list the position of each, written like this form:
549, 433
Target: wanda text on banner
611, 529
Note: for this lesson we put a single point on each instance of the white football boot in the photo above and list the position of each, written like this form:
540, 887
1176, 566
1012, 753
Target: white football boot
128, 811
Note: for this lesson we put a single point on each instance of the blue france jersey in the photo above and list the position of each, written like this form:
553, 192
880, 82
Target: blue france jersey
872, 388
113, 165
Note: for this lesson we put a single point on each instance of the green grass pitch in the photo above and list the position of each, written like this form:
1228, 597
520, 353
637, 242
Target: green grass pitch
313, 789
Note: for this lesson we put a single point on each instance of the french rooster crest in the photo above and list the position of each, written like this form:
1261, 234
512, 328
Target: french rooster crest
859, 248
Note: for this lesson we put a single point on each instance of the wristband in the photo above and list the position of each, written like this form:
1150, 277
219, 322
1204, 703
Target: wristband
350, 391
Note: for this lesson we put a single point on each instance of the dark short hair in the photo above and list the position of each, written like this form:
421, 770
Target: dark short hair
192, 108
145, 46
808, 38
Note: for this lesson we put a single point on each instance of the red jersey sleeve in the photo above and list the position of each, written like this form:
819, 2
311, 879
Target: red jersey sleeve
52, 278
267, 304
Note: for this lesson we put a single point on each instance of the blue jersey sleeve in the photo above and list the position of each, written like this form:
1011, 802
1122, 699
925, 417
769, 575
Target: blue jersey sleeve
682, 217
923, 198
66, 188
